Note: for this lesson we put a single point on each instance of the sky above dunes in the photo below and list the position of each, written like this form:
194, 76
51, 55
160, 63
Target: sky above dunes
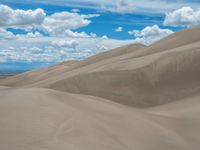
39, 33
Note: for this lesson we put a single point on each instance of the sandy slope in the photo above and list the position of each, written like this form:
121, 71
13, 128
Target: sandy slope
40, 119
130, 98
63, 68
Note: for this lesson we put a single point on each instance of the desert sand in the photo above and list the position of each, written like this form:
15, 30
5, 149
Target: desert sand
134, 97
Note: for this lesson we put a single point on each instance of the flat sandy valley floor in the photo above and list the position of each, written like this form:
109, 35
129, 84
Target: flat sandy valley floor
130, 98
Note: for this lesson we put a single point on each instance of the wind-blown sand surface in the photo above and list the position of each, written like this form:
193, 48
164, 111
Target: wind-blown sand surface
130, 98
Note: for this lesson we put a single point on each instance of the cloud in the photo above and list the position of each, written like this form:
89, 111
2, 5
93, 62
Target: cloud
54, 49
119, 6
55, 24
150, 34
66, 43
6, 35
119, 29
29, 35
58, 23
48, 38
34, 35
72, 34
185, 16
75, 10
123, 6
104, 37
20, 18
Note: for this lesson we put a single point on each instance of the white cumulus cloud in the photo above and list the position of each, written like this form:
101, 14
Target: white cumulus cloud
66, 43
34, 35
20, 18
119, 6
54, 49
6, 35
150, 34
72, 34
29, 35
119, 29
58, 23
185, 16
75, 10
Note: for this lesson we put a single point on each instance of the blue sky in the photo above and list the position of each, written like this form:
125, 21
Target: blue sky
39, 33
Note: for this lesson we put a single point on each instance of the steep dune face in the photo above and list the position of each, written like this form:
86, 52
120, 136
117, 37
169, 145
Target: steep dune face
162, 78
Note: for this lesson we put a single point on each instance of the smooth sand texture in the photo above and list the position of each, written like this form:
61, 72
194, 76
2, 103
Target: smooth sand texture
129, 98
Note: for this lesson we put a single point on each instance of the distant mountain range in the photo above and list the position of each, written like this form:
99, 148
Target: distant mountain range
11, 72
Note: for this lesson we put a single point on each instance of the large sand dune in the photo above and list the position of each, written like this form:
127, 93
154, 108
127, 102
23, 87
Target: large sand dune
129, 98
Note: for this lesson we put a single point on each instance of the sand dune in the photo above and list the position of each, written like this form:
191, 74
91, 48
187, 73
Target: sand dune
63, 68
40, 119
133, 97
139, 81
